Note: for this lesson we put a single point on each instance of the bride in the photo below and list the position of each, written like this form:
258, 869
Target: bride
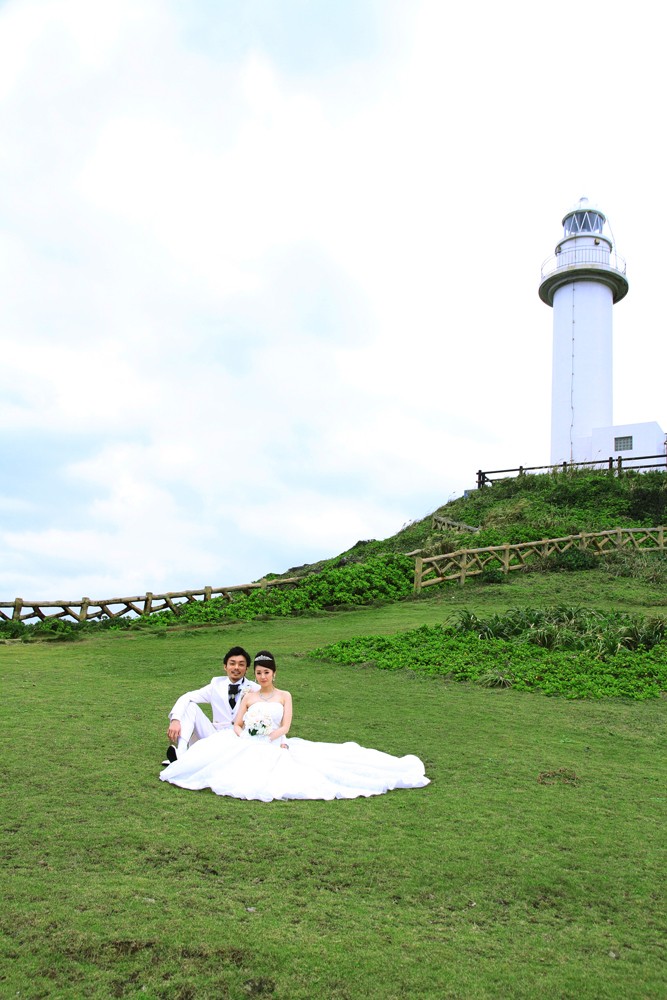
265, 672
257, 760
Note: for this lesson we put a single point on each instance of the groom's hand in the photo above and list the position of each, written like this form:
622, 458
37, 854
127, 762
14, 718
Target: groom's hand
174, 730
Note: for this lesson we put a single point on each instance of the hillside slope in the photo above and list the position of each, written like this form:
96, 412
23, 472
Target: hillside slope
523, 509
382, 571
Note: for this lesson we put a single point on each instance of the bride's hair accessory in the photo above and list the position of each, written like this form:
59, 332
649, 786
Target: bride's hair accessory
265, 659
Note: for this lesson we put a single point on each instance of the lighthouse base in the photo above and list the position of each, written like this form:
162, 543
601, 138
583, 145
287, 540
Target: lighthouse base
628, 440
617, 441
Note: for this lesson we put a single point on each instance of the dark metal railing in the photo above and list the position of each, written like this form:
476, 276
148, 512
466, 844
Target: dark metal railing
616, 466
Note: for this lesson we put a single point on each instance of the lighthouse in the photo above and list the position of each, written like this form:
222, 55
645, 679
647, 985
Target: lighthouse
582, 281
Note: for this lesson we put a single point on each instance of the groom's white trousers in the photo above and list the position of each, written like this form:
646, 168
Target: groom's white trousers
195, 725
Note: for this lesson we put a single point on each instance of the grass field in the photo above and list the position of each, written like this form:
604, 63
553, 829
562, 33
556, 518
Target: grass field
485, 884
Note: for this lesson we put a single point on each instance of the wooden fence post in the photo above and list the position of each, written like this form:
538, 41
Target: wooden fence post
83, 613
148, 602
207, 593
464, 563
506, 559
661, 538
16, 613
419, 562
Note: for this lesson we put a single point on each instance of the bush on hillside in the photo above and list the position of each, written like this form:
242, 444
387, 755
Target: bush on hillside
386, 578
566, 503
648, 497
572, 652
570, 561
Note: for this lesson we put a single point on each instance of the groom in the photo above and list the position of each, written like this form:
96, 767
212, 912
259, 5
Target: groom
187, 721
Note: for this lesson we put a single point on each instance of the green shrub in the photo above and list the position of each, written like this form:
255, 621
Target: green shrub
558, 504
574, 652
12, 629
648, 497
570, 561
384, 578
492, 575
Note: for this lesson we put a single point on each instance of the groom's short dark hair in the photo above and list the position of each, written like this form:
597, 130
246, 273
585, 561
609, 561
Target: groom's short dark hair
237, 651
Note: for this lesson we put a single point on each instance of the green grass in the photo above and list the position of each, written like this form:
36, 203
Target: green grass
485, 884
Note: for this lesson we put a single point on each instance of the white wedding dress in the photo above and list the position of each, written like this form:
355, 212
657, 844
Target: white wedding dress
254, 767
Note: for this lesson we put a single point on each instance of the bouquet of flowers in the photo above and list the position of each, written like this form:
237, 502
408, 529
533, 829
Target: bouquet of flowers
258, 720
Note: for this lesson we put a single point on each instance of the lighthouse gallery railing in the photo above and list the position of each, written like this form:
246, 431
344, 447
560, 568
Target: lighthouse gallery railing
584, 256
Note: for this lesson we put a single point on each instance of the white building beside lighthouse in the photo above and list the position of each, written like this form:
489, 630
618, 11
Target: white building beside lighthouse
582, 281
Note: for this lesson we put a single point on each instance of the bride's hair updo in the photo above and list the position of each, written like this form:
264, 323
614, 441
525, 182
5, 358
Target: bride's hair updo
265, 659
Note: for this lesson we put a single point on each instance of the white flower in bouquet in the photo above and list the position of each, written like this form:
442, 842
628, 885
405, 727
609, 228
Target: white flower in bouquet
258, 720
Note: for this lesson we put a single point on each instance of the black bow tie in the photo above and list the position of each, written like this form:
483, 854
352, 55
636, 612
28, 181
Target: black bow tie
233, 692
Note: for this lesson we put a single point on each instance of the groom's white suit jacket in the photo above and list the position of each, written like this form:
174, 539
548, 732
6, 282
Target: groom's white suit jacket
215, 694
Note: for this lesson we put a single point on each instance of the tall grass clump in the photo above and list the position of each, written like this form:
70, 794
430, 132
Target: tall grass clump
650, 567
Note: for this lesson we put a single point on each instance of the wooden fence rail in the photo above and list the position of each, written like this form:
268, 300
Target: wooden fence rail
118, 607
463, 563
440, 523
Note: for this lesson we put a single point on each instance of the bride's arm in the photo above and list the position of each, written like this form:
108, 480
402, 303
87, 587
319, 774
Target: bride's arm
283, 730
238, 718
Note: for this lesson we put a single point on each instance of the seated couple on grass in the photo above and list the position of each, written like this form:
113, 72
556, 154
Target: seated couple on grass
242, 753
187, 722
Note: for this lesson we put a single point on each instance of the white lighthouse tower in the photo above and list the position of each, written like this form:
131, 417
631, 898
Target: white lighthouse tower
582, 281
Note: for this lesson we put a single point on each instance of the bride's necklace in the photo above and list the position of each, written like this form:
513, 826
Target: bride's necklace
267, 697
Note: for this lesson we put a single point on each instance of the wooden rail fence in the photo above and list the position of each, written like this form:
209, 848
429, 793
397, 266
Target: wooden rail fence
463, 563
440, 523
118, 607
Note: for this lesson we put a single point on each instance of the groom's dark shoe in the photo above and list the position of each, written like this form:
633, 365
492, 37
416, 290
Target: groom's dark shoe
171, 756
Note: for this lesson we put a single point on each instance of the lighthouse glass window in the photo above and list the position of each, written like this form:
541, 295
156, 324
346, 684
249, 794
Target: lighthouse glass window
623, 443
583, 222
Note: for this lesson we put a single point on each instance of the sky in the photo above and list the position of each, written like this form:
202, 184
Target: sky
269, 269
